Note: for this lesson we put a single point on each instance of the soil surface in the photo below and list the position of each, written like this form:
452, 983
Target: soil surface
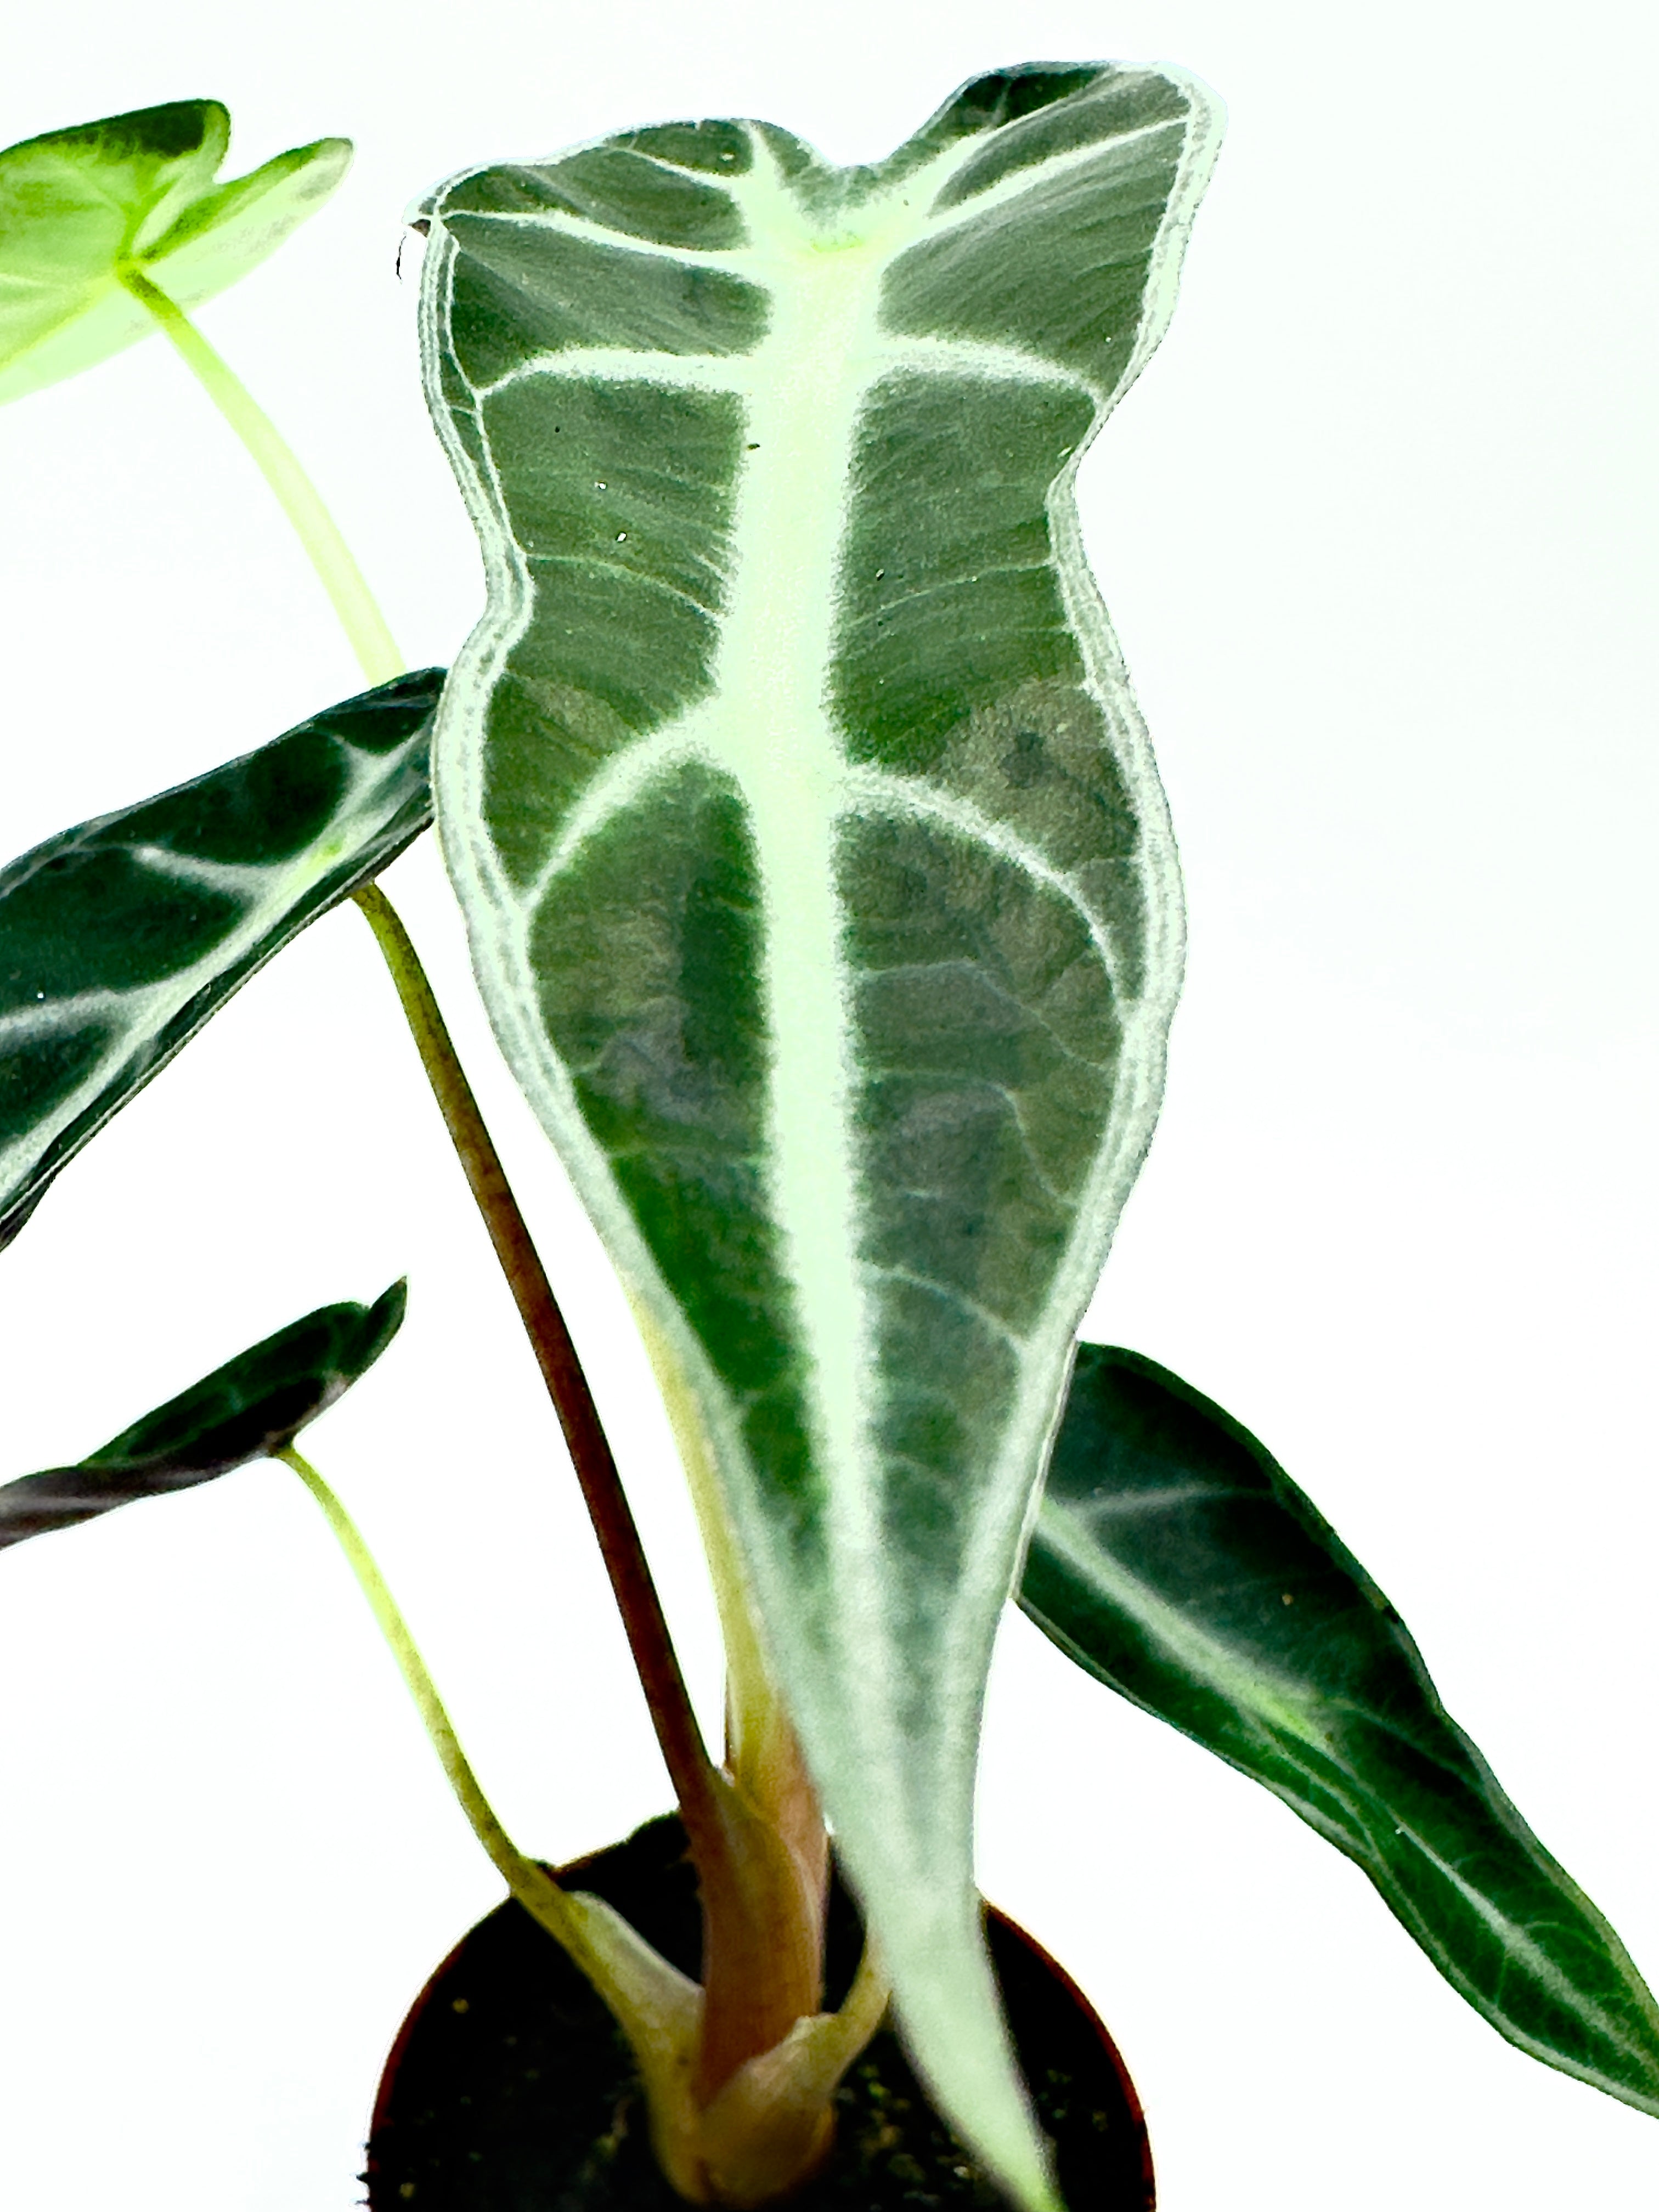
511, 2089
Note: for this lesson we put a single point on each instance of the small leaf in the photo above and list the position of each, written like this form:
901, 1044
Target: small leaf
119, 939
1176, 1561
134, 191
247, 1409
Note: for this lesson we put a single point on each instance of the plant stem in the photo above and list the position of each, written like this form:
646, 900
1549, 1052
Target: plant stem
658, 2007
330, 557
678, 1735
462, 1780
762, 1752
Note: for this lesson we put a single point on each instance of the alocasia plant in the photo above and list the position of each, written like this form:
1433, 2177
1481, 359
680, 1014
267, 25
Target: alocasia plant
822, 893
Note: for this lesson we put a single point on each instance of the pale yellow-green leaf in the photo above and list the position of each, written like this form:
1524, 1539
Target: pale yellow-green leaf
137, 190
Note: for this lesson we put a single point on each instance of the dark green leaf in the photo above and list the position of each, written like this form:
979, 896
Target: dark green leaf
818, 876
247, 1409
133, 192
118, 939
1177, 1562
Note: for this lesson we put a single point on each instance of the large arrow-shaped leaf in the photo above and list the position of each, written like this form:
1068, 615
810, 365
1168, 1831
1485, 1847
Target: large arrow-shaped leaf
1177, 1562
817, 872
120, 939
250, 1408
133, 192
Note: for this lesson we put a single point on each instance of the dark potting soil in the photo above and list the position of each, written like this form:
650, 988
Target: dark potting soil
511, 2089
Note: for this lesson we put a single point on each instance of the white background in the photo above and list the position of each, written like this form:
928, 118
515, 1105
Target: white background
1377, 532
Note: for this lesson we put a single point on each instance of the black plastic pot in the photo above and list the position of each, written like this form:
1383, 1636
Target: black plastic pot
510, 2089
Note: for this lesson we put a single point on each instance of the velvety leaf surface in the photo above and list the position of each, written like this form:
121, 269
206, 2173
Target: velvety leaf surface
119, 939
818, 875
135, 191
251, 1406
1176, 1561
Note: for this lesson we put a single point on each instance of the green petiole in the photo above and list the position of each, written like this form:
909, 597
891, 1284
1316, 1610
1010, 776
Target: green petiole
457, 1768
657, 2007
330, 557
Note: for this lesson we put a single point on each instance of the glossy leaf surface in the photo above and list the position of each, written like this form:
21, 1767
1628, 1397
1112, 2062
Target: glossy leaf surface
137, 191
251, 1406
1176, 1561
118, 939
817, 872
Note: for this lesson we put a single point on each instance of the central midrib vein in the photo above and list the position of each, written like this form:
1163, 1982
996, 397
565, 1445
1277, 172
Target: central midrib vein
773, 729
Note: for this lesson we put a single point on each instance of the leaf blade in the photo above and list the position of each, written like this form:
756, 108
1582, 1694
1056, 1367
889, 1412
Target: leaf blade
121, 938
138, 189
247, 1409
1174, 1560
744, 750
